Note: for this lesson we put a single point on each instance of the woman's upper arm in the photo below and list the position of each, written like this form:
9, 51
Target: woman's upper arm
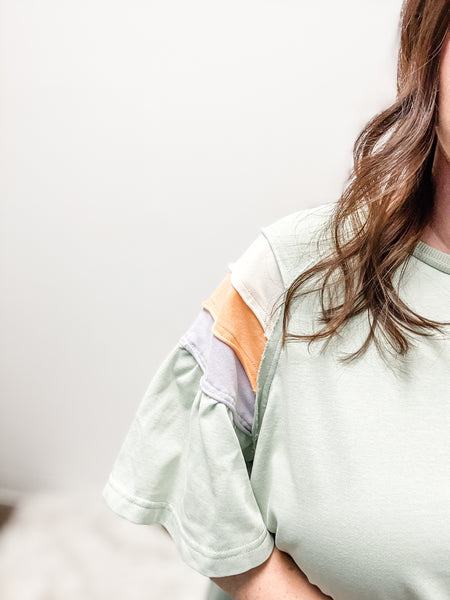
186, 458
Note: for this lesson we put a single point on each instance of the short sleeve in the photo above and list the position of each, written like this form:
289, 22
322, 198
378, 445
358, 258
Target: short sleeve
186, 460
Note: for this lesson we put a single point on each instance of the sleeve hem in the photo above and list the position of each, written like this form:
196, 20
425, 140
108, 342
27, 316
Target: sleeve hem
204, 561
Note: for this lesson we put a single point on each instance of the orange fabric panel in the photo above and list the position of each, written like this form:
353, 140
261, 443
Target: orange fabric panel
236, 324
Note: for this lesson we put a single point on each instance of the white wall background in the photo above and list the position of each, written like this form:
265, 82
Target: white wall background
142, 146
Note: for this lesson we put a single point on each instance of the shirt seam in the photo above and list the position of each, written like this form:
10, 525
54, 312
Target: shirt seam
208, 387
143, 503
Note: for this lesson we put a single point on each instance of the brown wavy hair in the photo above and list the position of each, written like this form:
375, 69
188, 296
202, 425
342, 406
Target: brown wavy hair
388, 198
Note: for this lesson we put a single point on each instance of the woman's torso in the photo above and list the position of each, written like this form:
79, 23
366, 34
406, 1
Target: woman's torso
352, 462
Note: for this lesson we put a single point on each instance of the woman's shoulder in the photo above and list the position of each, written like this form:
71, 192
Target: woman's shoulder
293, 239
290, 223
263, 272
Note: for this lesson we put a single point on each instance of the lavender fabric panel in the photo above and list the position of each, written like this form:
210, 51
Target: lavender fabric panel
224, 378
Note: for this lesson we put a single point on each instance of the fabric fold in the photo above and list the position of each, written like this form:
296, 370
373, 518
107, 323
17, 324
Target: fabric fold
182, 465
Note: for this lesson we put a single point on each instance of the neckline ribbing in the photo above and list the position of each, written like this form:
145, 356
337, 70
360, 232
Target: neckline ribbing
432, 256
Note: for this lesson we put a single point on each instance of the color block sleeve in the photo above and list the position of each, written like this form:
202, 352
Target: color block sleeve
186, 459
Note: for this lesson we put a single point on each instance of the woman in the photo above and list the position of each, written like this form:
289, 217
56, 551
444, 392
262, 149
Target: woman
320, 468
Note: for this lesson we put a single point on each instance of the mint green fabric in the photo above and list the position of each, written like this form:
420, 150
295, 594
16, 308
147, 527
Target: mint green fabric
184, 464
352, 462
347, 469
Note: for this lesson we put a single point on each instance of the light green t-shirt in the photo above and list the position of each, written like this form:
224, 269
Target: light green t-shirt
346, 466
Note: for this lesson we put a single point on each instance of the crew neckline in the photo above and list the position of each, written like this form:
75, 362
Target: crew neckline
432, 256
